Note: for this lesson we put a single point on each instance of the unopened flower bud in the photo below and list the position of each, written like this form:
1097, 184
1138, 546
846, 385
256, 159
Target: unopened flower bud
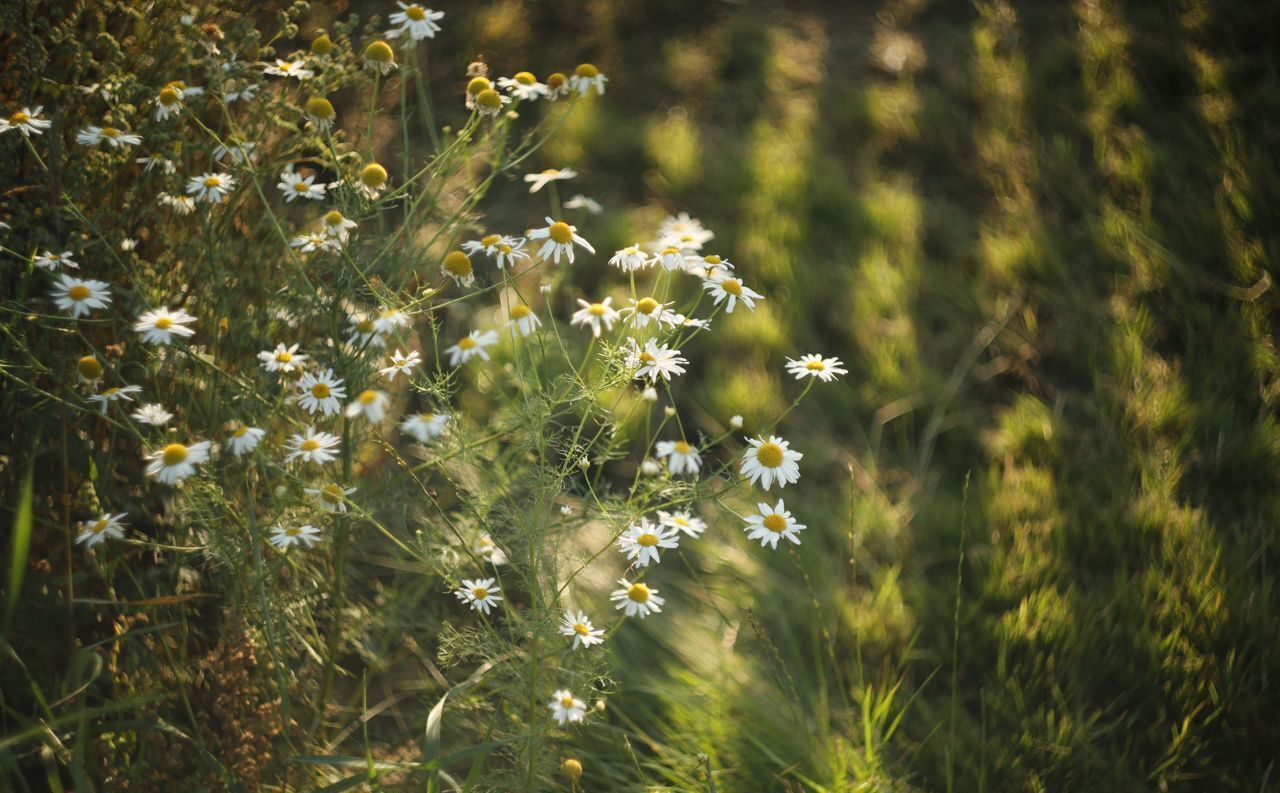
650, 394
735, 423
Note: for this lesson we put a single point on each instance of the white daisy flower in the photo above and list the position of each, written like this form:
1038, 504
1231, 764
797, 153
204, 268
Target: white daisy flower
683, 521
128, 244
390, 320
294, 185
671, 258
537, 181
316, 241
645, 310
733, 290
373, 177
48, 260
362, 330
321, 392
331, 497
418, 21
489, 102
401, 364
282, 359
683, 227
504, 250
586, 77
80, 295
105, 397
566, 708
580, 201
244, 439
487, 549
89, 369
580, 628
27, 121
152, 414
560, 238
285, 538
176, 461
211, 187
770, 460
813, 365
156, 160
480, 594
599, 316
654, 361
425, 427
708, 267
335, 224
241, 151
641, 542
296, 69
92, 136
320, 113
457, 265
522, 319
183, 205
637, 599
772, 524
471, 345
168, 101
160, 325
682, 457
525, 87
313, 447
106, 526
379, 57
368, 404
241, 91
630, 259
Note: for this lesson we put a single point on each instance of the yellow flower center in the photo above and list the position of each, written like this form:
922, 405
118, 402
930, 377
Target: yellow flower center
18, 117
365, 326
520, 311
504, 248
638, 592
99, 525
212, 181
283, 357
163, 323
373, 175
331, 493
168, 97
466, 343
732, 286
679, 521
597, 310
379, 52
321, 108
670, 251
457, 264
489, 98
367, 397
775, 523
323, 45
646, 357
79, 292
415, 13
580, 629
683, 448
320, 390
333, 218
174, 454
293, 531
586, 70
490, 240
309, 445
525, 78
301, 187
769, 455
648, 539
110, 132
555, 80
89, 367
571, 769
646, 305
240, 432
816, 366
109, 392
561, 232
480, 593
478, 84
712, 260
567, 702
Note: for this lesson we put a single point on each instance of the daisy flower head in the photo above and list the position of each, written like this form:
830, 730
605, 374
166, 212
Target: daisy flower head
457, 265
316, 241
487, 549
683, 227
560, 238
211, 187
160, 325
296, 69
241, 151
641, 542
537, 181
27, 121
48, 260
181, 204
685, 522
472, 345
638, 599
773, 524
505, 250
771, 460
168, 102
89, 369
241, 91
176, 461
682, 457
586, 77
416, 20
379, 57
523, 86
320, 112
813, 365
522, 320
709, 267
337, 225
655, 361
373, 177
312, 447
331, 497
557, 86
243, 439
152, 414
321, 392
105, 397
476, 86
390, 320
630, 259
362, 330
726, 288
113, 137
490, 103
295, 185
671, 258
282, 359
156, 160
566, 708
369, 404
106, 526
645, 310
578, 625
425, 427
580, 201
480, 594
598, 316
285, 538
401, 364
80, 295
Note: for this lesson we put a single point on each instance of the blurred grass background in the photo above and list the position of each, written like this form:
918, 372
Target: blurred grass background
1042, 506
